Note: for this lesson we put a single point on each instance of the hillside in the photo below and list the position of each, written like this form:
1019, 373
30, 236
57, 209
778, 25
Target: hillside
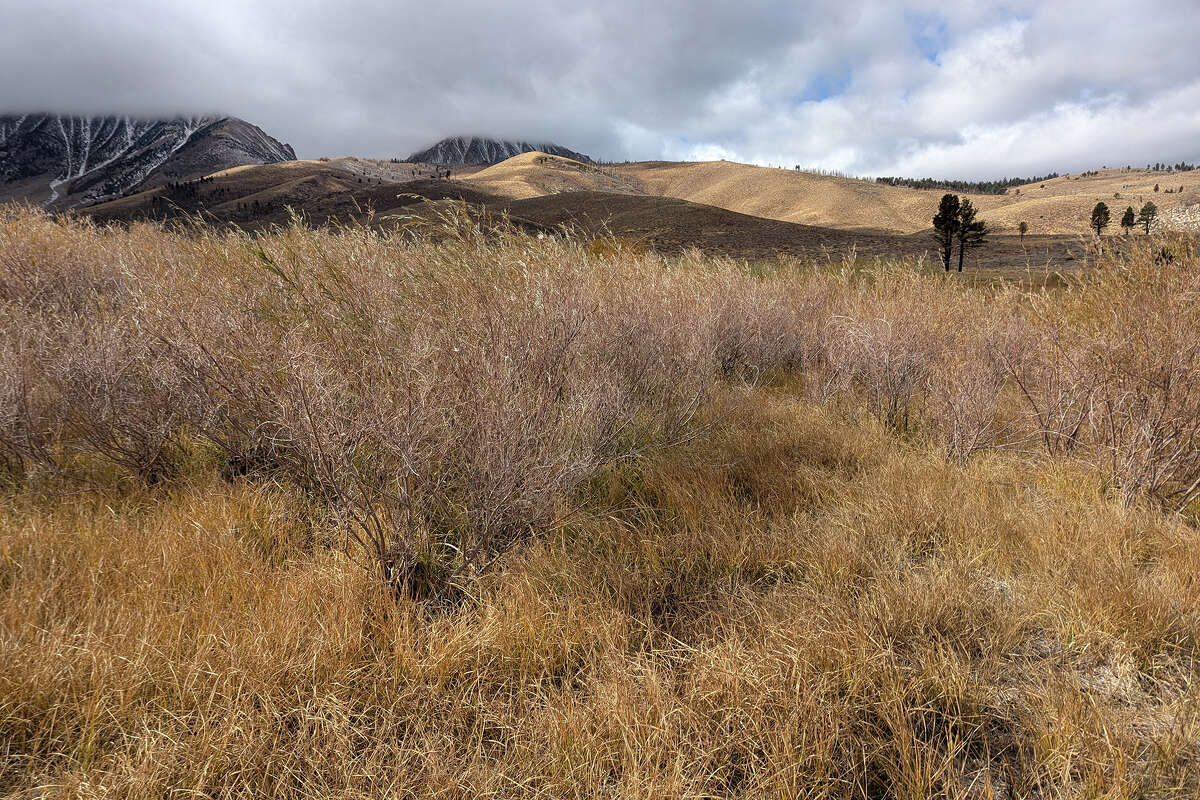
254, 197
67, 162
787, 195
539, 192
720, 207
536, 174
667, 224
1064, 204
1056, 207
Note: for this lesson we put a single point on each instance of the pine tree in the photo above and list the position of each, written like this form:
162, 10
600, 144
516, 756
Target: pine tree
945, 227
1100, 218
1148, 215
970, 231
1128, 220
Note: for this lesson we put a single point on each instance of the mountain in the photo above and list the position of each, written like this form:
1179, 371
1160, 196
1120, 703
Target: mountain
67, 162
478, 151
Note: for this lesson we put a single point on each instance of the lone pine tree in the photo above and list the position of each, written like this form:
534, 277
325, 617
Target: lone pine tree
1100, 218
970, 231
945, 227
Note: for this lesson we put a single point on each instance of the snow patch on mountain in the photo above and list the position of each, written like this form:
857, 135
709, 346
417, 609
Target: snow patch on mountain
84, 160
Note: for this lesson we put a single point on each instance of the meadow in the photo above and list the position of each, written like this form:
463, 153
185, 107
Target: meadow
344, 513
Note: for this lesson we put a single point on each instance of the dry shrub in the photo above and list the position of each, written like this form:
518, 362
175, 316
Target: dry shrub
444, 400
119, 396
28, 423
916, 350
768, 326
773, 598
1114, 367
446, 396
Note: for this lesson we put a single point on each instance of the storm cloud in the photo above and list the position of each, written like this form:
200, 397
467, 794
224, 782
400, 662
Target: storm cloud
966, 90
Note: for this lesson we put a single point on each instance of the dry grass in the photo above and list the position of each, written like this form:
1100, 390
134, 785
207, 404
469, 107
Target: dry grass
1059, 206
673, 529
536, 174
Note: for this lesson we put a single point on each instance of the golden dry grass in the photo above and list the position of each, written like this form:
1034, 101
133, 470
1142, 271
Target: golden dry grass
1060, 206
853, 571
535, 174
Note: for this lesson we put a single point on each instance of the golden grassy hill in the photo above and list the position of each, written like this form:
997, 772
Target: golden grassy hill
787, 195
340, 186
1064, 205
536, 174
1059, 206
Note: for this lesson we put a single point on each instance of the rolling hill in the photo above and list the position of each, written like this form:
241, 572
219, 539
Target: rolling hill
668, 224
1060, 206
536, 174
321, 191
721, 208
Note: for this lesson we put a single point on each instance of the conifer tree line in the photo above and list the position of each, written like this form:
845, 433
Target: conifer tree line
957, 222
974, 187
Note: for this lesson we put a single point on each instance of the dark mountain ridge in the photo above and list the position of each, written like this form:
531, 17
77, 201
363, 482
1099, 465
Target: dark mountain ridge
67, 161
457, 151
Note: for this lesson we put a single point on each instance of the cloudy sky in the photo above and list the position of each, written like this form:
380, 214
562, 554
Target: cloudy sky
947, 89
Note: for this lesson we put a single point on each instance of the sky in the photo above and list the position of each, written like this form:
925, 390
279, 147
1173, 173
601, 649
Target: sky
960, 89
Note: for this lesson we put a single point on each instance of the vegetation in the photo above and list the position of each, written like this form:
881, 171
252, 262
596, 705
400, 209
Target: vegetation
1148, 215
969, 231
1128, 220
338, 513
956, 221
1182, 166
1100, 218
945, 227
972, 187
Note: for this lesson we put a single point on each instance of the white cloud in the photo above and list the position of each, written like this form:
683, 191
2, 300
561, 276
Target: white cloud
977, 89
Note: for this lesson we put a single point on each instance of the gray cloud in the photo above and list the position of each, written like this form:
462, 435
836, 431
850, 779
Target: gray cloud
964, 90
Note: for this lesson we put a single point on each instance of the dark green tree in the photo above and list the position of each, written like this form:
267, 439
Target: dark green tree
1100, 218
1147, 215
945, 227
1128, 220
970, 231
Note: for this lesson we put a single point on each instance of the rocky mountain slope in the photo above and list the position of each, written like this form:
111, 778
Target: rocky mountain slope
479, 151
67, 162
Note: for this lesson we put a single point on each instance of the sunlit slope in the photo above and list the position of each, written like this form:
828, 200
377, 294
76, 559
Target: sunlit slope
1064, 205
787, 195
1059, 206
537, 174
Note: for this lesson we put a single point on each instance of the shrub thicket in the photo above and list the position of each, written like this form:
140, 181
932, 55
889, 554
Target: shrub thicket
631, 525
